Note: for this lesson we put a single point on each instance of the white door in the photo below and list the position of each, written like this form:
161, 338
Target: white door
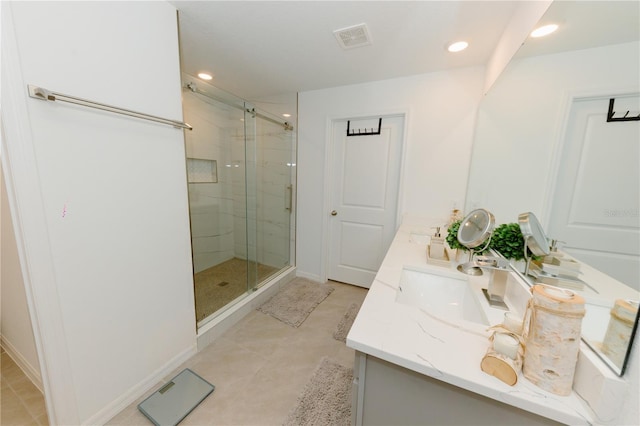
596, 204
364, 194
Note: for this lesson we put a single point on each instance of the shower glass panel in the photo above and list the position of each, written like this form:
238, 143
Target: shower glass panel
239, 172
274, 168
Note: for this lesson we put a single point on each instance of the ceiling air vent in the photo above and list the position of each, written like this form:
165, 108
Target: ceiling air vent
354, 36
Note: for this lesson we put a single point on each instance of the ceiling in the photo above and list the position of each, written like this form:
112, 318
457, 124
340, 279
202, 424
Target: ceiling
586, 24
258, 50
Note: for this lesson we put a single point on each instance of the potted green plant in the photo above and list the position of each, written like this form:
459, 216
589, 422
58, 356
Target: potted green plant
452, 237
507, 239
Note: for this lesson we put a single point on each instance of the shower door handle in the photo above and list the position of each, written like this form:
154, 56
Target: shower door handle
288, 197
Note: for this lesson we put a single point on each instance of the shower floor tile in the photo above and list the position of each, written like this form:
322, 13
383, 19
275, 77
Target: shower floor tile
261, 365
215, 287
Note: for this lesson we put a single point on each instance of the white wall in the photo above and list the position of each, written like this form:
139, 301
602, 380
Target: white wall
100, 200
440, 108
16, 331
520, 124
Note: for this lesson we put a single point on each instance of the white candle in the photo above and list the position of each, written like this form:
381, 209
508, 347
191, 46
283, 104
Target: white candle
506, 344
512, 323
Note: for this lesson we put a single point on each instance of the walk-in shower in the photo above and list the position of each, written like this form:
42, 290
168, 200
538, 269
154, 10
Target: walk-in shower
240, 173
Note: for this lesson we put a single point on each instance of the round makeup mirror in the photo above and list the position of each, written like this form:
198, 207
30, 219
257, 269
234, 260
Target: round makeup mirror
534, 237
475, 230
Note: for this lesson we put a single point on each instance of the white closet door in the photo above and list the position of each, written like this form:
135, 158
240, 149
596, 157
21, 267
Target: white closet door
366, 174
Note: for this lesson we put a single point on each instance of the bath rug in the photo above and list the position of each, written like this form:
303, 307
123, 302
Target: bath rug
345, 323
326, 398
295, 301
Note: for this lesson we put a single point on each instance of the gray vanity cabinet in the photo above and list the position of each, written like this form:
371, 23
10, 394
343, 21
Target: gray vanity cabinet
387, 394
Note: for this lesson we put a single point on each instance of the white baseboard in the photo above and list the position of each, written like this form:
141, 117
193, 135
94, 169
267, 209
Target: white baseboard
134, 393
312, 277
30, 371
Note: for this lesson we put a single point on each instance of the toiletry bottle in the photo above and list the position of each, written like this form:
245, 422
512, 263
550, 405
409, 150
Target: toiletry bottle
455, 216
553, 252
436, 247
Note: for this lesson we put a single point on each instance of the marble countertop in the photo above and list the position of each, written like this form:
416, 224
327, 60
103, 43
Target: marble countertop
444, 350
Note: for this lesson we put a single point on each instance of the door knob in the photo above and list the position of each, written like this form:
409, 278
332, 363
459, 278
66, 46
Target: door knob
334, 213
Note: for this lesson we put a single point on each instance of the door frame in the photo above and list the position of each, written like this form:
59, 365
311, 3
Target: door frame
329, 168
568, 99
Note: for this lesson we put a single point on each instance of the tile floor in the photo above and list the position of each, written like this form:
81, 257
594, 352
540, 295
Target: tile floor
21, 403
261, 365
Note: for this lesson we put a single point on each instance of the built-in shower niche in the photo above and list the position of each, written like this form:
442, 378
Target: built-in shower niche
200, 170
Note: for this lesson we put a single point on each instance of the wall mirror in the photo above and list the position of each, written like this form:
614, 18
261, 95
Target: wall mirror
536, 149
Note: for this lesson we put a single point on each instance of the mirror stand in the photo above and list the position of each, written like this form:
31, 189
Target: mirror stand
475, 230
471, 267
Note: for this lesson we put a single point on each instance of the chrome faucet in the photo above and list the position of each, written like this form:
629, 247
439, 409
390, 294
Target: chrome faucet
499, 273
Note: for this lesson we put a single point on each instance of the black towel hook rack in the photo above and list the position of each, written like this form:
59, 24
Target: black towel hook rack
625, 117
360, 132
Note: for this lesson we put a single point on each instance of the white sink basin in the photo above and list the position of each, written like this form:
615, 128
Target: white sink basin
448, 297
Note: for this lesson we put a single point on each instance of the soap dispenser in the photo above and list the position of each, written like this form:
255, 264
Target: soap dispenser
553, 252
556, 263
436, 247
553, 246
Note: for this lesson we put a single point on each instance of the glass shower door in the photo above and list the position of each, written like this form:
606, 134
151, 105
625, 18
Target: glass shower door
240, 171
274, 195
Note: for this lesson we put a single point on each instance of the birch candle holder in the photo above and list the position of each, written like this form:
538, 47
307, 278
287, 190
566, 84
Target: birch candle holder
618, 335
503, 359
552, 338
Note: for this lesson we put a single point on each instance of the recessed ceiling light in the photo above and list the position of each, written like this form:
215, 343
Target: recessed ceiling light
544, 30
286, 115
457, 46
205, 76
